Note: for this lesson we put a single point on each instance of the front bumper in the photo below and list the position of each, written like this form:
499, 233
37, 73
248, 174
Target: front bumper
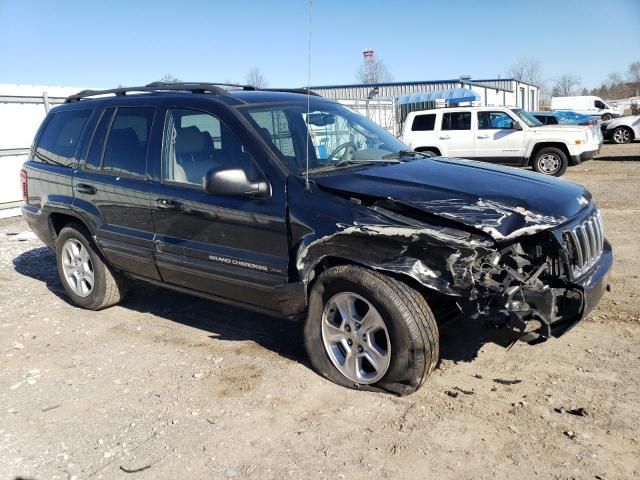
592, 286
584, 156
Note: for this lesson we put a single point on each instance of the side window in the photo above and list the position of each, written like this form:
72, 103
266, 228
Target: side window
274, 126
94, 157
552, 121
126, 148
423, 123
456, 121
58, 142
494, 121
195, 142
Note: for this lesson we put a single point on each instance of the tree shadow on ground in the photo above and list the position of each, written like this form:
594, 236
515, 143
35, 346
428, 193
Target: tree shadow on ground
460, 340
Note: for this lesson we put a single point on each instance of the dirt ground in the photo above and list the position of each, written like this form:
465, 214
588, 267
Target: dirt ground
170, 386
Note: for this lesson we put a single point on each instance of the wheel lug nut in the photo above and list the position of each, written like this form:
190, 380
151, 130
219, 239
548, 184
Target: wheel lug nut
348, 328
358, 326
360, 349
349, 342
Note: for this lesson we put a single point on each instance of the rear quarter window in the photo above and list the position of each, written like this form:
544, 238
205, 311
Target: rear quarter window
59, 140
422, 123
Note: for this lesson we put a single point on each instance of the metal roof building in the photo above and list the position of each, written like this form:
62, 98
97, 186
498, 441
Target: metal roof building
496, 91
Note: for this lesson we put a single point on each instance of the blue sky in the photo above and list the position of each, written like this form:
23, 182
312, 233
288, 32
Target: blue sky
106, 43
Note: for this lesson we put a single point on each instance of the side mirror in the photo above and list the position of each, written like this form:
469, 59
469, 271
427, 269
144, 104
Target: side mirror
234, 182
517, 126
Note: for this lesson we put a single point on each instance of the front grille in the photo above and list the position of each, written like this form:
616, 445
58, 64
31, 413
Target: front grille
584, 244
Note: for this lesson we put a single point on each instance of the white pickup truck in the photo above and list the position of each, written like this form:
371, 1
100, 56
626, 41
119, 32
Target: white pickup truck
501, 135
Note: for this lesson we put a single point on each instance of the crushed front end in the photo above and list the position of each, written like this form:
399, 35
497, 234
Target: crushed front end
542, 284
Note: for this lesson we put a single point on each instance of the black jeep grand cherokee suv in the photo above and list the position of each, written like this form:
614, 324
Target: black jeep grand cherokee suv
203, 190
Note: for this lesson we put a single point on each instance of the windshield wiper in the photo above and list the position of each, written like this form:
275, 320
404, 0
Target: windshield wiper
407, 153
345, 162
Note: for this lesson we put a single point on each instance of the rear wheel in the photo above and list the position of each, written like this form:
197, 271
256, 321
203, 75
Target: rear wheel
606, 116
87, 279
550, 161
621, 135
368, 331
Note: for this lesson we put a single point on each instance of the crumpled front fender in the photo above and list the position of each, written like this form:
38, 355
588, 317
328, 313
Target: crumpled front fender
440, 258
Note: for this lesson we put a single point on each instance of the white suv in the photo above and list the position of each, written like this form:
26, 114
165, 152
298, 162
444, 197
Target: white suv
501, 135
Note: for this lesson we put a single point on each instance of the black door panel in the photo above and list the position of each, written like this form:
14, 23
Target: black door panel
112, 188
120, 208
228, 246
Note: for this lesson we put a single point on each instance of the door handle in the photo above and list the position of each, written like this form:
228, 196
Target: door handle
445, 137
483, 136
167, 204
84, 188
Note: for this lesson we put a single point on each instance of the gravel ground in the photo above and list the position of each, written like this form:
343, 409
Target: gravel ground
170, 386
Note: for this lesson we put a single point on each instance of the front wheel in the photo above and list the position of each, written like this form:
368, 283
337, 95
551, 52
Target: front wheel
367, 331
606, 116
550, 161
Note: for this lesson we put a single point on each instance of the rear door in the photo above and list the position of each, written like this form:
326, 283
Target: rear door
455, 135
111, 187
496, 138
233, 247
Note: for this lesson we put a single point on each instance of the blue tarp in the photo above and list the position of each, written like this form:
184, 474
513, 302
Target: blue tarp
452, 95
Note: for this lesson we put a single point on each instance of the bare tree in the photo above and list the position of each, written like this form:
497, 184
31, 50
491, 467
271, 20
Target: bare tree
616, 85
527, 70
256, 78
168, 78
565, 85
633, 72
376, 71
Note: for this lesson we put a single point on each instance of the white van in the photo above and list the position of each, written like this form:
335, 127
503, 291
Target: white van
585, 104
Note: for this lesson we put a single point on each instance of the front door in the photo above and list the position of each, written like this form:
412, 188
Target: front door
233, 247
455, 134
496, 138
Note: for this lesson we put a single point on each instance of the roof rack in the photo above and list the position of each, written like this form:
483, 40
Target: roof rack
152, 87
193, 87
304, 91
190, 85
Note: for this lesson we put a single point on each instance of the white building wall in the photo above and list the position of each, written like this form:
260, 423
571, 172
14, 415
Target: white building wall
19, 121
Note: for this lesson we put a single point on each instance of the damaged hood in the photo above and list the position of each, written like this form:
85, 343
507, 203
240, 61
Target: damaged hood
500, 201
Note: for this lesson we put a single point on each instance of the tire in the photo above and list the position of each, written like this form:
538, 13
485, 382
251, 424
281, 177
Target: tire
406, 335
621, 135
87, 279
550, 161
430, 151
606, 116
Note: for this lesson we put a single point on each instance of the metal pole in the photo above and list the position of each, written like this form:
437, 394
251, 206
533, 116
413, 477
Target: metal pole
45, 98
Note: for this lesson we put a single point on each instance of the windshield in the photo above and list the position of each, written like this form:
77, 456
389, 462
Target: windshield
337, 135
528, 119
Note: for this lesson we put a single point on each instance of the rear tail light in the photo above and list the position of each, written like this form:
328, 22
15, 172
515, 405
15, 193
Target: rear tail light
588, 122
24, 179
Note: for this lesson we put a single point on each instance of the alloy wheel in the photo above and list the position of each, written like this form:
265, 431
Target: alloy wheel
77, 267
622, 135
356, 338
